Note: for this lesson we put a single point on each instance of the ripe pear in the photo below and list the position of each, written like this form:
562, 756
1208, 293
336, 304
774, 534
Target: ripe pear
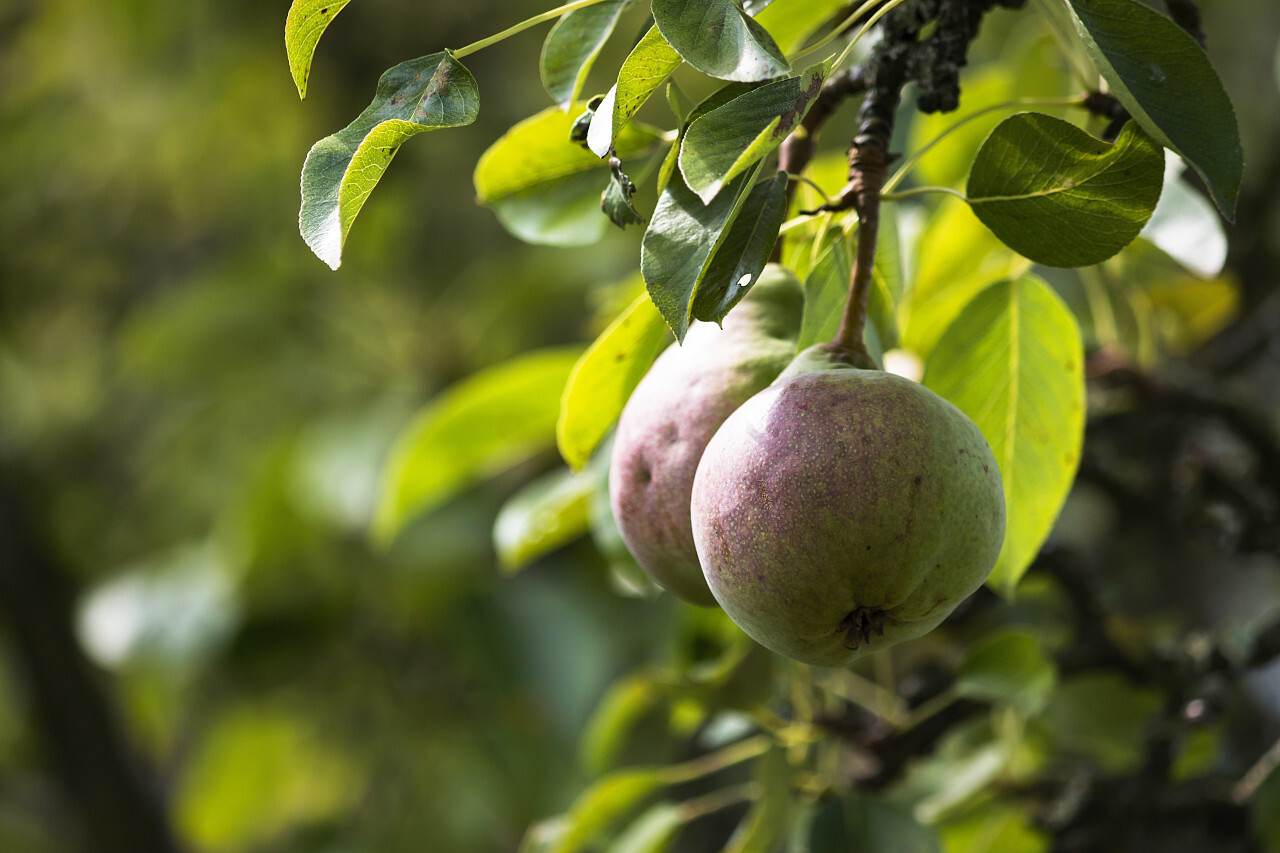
675, 410
843, 509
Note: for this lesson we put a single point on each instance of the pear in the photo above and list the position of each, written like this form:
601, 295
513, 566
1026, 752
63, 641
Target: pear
844, 509
675, 410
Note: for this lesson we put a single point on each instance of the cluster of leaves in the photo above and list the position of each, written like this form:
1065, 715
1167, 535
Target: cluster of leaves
1060, 241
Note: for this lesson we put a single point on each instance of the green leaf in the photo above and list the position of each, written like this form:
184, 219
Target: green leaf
766, 821
650, 62
1009, 668
994, 826
545, 188
341, 170
680, 244
607, 801
1013, 362
616, 201
740, 259
1104, 717
306, 22
1264, 808
1059, 196
484, 424
826, 290
956, 257
652, 832
1165, 81
572, 46
719, 39
728, 140
538, 151
547, 513
605, 376
614, 719
791, 22
868, 825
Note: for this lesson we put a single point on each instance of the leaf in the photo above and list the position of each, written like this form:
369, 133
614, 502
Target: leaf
994, 826
613, 720
1009, 668
650, 62
608, 800
306, 22
957, 258
728, 140
341, 170
562, 212
605, 376
680, 244
1013, 362
967, 760
766, 821
826, 290
1165, 81
791, 22
1264, 806
484, 424
572, 46
1185, 225
1059, 196
547, 513
740, 259
616, 200
652, 832
719, 39
543, 187
868, 825
1104, 717
537, 151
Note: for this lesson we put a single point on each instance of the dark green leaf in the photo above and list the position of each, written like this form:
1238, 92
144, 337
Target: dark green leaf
718, 38
572, 46
681, 243
741, 258
1059, 196
303, 27
868, 825
728, 140
604, 378
650, 62
341, 170
616, 200
1104, 717
1014, 363
1166, 82
1009, 668
1264, 807
484, 424
547, 513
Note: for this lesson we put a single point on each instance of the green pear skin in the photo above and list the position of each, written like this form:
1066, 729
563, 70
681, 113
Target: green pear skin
842, 510
675, 410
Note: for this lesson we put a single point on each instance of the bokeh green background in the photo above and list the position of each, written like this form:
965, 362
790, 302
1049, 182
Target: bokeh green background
197, 409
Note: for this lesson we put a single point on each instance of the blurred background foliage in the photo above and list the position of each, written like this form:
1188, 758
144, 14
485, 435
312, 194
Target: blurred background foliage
194, 411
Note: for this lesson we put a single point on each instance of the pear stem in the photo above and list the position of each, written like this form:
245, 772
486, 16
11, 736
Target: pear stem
869, 160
